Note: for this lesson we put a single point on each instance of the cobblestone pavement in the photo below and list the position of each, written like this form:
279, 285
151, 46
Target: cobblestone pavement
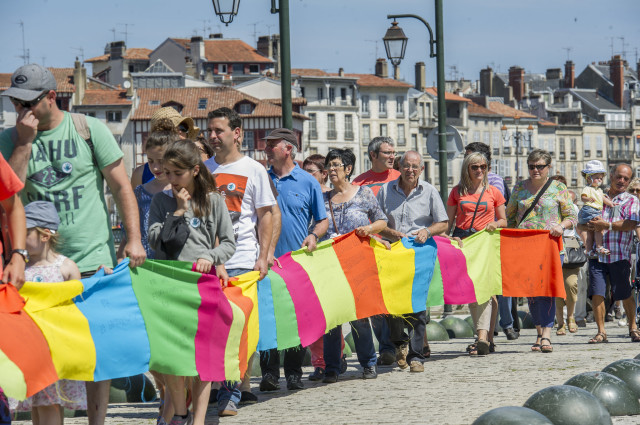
454, 389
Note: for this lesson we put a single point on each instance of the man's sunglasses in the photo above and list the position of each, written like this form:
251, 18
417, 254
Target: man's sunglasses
538, 167
28, 103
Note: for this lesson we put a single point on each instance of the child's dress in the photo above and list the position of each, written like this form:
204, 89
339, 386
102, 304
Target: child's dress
69, 394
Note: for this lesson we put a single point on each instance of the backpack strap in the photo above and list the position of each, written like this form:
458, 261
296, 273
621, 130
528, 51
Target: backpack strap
82, 128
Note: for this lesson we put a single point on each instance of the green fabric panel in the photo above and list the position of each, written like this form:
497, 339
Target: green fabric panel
285, 313
168, 296
484, 266
435, 297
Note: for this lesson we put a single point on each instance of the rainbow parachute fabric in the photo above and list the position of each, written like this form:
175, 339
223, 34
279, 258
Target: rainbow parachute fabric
165, 317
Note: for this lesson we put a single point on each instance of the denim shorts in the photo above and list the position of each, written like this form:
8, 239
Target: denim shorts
618, 273
587, 213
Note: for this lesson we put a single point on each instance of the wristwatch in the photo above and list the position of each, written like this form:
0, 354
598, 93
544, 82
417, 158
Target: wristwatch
610, 226
23, 252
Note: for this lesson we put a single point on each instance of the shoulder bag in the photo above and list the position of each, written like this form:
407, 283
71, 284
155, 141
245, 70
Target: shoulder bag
535, 201
574, 252
461, 233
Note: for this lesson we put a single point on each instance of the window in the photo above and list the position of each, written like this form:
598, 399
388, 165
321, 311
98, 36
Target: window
400, 106
382, 106
254, 69
343, 94
496, 140
366, 134
402, 140
320, 93
114, 116
238, 68
348, 127
561, 149
365, 105
248, 140
485, 138
414, 142
573, 148
222, 68
90, 114
332, 96
587, 146
476, 136
302, 92
202, 103
383, 130
637, 146
245, 108
599, 146
313, 126
154, 102
574, 175
331, 126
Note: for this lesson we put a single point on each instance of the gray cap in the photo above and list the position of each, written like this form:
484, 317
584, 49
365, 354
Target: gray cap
42, 214
30, 81
284, 134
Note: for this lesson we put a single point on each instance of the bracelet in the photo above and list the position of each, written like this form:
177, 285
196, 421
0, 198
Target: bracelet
314, 235
428, 232
610, 226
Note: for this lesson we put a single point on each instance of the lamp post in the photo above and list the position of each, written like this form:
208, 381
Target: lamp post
227, 9
518, 137
395, 43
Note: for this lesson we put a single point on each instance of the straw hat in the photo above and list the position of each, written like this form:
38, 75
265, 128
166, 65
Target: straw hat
174, 116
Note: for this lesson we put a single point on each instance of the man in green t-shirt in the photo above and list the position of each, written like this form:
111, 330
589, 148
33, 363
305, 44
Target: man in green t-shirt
58, 165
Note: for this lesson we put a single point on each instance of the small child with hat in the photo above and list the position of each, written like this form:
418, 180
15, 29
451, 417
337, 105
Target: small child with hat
46, 265
594, 200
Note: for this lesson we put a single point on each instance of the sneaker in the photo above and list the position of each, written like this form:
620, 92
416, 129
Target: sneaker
416, 366
511, 334
401, 356
179, 420
330, 378
370, 372
227, 408
618, 313
247, 397
623, 321
317, 375
161, 421
387, 358
343, 364
269, 383
294, 382
608, 317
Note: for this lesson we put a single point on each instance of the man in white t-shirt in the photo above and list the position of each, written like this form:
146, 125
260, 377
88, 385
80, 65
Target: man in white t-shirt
249, 197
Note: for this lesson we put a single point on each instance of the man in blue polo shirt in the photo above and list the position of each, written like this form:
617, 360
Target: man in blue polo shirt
300, 201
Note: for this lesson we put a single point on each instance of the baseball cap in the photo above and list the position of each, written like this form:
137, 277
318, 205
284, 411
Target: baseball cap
42, 214
284, 134
30, 81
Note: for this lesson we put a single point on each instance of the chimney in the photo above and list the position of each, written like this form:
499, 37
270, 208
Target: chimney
190, 69
486, 82
216, 35
265, 48
117, 49
197, 50
516, 81
421, 76
396, 72
569, 75
554, 74
79, 81
381, 68
341, 72
616, 74
129, 93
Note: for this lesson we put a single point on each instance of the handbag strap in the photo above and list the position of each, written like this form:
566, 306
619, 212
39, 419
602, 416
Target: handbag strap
333, 218
535, 201
476, 210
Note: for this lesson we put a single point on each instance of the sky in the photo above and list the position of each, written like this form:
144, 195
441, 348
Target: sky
330, 34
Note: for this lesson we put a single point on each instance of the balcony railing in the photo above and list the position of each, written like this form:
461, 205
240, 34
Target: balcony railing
618, 125
348, 135
332, 134
313, 134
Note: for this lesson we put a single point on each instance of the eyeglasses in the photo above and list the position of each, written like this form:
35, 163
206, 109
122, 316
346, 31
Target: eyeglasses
333, 166
28, 103
637, 190
388, 153
312, 171
410, 167
482, 167
538, 167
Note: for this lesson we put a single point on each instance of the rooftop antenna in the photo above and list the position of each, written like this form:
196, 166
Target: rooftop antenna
126, 31
269, 29
636, 50
255, 32
374, 41
205, 26
568, 49
81, 50
25, 51
113, 30
611, 46
454, 72
624, 52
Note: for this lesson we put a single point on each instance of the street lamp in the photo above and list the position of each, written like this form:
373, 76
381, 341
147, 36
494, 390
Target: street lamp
226, 10
395, 43
518, 137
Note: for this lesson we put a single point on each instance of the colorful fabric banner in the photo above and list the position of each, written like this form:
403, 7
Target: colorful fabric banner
164, 316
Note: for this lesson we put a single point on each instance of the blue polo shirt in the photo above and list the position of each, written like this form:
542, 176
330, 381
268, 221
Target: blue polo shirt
300, 200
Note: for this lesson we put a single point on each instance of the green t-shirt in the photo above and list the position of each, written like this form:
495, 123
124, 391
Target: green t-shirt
61, 170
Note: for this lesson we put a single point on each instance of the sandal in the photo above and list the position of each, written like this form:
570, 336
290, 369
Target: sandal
573, 326
472, 347
561, 330
600, 338
546, 348
635, 335
481, 348
603, 251
492, 347
536, 346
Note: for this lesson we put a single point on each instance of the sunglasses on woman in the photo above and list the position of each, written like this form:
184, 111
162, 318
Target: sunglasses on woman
538, 167
482, 167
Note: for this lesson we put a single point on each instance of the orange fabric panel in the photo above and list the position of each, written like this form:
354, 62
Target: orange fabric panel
235, 295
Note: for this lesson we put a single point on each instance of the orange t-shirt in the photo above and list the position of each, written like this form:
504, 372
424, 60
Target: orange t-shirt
491, 199
10, 184
376, 180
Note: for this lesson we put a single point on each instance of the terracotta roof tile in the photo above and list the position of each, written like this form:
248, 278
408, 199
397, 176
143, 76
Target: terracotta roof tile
475, 109
508, 111
132, 54
216, 97
64, 78
296, 101
447, 96
230, 51
545, 123
309, 72
106, 97
5, 81
371, 80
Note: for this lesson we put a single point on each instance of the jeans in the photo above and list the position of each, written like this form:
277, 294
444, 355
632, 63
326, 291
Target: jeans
362, 339
416, 324
230, 390
504, 307
293, 358
543, 310
381, 330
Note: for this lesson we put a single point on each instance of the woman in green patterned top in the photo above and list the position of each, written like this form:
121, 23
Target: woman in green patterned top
553, 212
